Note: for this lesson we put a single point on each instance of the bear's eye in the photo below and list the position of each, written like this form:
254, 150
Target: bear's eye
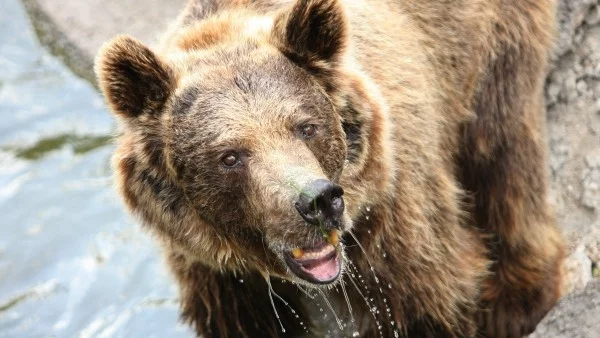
230, 160
308, 130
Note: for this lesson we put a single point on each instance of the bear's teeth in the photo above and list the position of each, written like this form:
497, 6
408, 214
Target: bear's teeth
324, 251
320, 251
297, 253
334, 238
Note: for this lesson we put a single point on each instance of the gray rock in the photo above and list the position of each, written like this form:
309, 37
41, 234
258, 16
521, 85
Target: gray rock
590, 182
74, 30
592, 245
593, 16
576, 316
571, 16
572, 97
578, 270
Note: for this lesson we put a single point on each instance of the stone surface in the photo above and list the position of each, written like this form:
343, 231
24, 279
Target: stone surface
576, 316
573, 104
74, 30
590, 182
578, 270
592, 244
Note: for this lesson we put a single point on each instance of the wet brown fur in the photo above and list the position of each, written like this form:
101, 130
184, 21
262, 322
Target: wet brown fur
432, 118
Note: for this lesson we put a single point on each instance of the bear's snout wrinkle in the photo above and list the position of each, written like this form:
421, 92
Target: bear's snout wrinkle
321, 203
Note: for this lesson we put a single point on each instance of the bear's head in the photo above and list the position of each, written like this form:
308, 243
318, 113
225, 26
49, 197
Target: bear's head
232, 142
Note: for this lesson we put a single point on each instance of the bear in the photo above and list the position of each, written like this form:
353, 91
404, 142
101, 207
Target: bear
329, 168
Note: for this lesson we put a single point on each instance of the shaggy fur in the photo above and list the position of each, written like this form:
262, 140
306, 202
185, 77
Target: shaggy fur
429, 114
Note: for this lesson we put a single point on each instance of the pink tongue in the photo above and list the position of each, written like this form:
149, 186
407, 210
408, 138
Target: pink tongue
324, 271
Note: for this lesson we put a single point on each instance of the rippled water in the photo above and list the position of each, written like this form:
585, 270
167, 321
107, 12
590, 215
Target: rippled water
72, 263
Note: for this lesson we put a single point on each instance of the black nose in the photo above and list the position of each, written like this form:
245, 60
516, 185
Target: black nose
321, 203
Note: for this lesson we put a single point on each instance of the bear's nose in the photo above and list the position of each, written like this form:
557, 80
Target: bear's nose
321, 203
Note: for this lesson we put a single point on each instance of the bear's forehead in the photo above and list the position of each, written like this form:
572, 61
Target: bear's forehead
249, 67
246, 87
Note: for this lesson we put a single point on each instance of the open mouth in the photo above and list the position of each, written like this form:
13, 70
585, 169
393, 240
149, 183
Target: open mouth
318, 264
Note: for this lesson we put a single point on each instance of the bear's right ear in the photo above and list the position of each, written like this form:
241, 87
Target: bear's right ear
132, 77
312, 31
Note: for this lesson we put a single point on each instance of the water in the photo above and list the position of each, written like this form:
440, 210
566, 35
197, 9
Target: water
72, 263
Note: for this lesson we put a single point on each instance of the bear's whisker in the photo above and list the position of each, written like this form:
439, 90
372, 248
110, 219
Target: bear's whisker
343, 285
358, 290
271, 292
305, 291
337, 319
365, 254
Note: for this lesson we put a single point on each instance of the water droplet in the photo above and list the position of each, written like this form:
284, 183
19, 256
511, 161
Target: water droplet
368, 208
241, 281
389, 286
369, 231
367, 218
355, 334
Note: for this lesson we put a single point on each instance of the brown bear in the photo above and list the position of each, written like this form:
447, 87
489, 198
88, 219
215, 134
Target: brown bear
344, 168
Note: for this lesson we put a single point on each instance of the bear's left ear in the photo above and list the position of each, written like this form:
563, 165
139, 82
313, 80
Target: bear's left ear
133, 78
312, 31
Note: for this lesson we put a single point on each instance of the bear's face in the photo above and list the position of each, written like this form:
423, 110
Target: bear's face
250, 140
